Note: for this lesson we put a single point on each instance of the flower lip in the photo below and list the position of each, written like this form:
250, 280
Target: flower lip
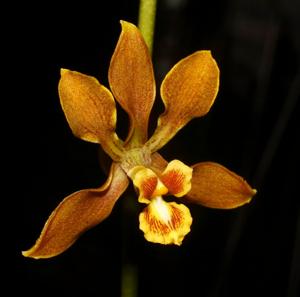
165, 223
177, 178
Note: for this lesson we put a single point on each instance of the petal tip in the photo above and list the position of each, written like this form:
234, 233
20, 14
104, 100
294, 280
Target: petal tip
252, 194
30, 254
64, 71
126, 24
26, 253
203, 52
208, 52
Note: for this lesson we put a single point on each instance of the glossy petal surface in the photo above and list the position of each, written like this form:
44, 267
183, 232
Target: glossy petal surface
131, 80
215, 186
188, 91
90, 110
77, 213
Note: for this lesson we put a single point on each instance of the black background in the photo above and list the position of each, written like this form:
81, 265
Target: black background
253, 129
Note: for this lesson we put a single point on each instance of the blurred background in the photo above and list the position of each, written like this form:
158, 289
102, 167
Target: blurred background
253, 129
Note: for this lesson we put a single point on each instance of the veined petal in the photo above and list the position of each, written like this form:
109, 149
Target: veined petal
147, 182
132, 81
177, 178
76, 214
188, 91
90, 110
215, 186
165, 223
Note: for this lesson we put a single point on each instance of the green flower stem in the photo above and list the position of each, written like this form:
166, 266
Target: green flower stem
129, 281
146, 23
129, 273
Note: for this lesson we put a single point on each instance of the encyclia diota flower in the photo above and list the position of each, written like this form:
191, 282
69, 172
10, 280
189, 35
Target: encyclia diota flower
188, 91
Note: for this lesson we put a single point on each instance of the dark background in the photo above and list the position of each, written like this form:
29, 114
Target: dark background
253, 129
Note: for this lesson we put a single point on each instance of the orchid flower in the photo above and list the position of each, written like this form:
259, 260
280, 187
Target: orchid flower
188, 91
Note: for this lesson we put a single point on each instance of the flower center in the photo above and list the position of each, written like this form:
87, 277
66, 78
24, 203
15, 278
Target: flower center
140, 156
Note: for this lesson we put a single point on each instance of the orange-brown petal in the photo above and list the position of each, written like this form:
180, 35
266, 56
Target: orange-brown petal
165, 223
90, 110
215, 186
177, 178
147, 182
158, 163
131, 80
188, 91
76, 214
